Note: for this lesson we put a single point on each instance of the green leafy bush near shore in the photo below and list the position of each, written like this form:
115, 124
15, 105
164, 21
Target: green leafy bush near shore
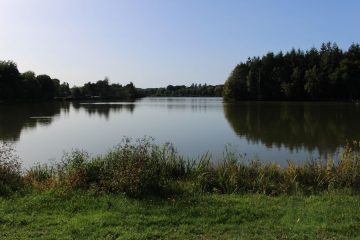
140, 168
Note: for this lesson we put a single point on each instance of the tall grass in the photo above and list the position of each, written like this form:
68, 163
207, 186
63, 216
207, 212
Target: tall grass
138, 168
134, 168
10, 166
235, 175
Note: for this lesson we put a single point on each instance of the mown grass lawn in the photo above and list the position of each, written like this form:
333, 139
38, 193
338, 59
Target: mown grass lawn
80, 215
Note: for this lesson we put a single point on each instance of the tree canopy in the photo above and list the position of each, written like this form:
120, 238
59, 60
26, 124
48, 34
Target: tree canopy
325, 74
27, 86
103, 89
16, 85
194, 90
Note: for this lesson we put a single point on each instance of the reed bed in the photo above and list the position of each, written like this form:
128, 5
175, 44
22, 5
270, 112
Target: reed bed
140, 168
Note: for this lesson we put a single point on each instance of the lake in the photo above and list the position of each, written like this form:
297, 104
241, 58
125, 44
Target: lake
270, 131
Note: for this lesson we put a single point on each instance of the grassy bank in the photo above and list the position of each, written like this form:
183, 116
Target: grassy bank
144, 191
84, 215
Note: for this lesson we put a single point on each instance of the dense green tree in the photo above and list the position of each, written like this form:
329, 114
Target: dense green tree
64, 90
131, 90
103, 88
236, 85
76, 92
10, 80
324, 74
30, 85
27, 86
49, 86
194, 90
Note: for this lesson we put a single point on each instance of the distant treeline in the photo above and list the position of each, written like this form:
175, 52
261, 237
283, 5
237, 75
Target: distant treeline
27, 86
325, 74
195, 90
16, 85
103, 89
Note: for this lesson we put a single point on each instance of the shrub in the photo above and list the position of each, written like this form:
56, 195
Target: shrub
142, 168
134, 168
10, 170
347, 171
75, 171
41, 176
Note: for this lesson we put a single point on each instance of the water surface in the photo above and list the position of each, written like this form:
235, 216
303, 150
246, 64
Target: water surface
270, 131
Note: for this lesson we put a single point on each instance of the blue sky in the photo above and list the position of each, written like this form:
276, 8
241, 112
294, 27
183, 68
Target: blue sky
155, 43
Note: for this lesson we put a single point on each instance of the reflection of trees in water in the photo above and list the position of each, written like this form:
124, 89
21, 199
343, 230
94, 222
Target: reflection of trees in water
193, 104
320, 126
103, 109
16, 117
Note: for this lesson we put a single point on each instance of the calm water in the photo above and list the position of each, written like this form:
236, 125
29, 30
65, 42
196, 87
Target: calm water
271, 131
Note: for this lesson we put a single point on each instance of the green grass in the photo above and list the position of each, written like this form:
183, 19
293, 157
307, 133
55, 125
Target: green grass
86, 215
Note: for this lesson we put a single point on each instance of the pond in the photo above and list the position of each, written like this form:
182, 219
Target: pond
269, 131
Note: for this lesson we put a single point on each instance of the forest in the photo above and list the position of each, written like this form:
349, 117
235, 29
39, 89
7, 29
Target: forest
29, 86
16, 85
327, 74
194, 90
103, 89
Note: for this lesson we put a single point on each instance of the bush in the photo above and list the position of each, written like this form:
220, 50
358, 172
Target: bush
134, 168
233, 174
10, 170
142, 168
347, 172
41, 176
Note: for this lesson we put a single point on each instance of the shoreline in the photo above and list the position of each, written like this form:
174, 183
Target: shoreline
141, 168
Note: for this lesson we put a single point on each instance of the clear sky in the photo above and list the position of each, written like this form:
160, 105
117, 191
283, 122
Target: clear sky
155, 43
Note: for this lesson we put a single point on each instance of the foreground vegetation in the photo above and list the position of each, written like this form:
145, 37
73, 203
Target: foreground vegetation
142, 168
140, 190
85, 215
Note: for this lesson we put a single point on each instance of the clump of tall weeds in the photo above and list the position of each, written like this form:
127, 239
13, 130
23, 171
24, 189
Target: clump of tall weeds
346, 174
142, 168
10, 170
235, 174
134, 168
41, 176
